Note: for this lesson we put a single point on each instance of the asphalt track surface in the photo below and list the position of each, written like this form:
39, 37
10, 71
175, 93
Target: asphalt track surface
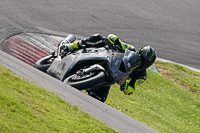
172, 27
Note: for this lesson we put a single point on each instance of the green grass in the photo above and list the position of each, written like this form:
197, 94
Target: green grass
25, 107
168, 103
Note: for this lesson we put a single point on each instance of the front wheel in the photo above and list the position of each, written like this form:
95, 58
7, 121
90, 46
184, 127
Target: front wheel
87, 81
44, 63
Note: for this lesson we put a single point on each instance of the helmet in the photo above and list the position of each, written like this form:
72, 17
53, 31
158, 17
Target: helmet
148, 56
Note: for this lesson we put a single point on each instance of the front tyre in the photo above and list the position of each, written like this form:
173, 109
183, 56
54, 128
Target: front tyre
87, 81
44, 63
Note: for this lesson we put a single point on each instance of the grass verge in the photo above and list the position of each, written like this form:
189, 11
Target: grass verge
25, 107
169, 103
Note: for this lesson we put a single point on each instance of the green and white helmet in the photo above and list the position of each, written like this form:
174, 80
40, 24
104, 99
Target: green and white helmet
148, 56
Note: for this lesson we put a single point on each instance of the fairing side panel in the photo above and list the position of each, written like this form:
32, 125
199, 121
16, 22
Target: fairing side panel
115, 62
60, 68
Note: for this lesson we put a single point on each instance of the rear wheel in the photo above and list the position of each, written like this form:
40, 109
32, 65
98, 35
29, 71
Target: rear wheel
87, 81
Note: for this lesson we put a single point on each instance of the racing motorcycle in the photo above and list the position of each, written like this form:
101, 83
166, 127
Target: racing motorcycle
88, 68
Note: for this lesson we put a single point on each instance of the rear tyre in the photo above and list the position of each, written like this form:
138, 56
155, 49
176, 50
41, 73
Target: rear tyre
88, 81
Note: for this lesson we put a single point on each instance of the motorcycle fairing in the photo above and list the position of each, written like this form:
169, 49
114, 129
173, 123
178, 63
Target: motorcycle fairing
131, 60
117, 69
60, 68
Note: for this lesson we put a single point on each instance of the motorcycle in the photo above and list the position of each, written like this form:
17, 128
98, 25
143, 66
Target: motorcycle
88, 68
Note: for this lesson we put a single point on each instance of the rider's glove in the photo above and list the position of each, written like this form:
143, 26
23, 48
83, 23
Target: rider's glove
128, 90
65, 47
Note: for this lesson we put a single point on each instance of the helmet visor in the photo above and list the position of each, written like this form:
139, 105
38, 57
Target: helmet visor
144, 65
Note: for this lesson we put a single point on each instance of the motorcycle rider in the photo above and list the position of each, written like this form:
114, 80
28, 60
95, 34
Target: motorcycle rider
147, 56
